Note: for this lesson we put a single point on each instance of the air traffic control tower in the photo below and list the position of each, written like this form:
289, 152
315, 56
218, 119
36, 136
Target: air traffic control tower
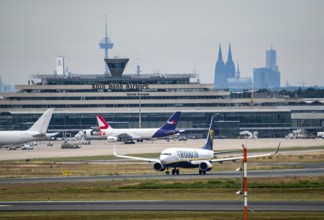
106, 44
116, 66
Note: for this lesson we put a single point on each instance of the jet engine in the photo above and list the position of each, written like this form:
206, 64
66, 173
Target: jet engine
93, 133
158, 166
113, 139
205, 166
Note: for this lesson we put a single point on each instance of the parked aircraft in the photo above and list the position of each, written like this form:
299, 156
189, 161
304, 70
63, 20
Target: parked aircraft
320, 134
300, 134
190, 157
35, 133
107, 132
249, 135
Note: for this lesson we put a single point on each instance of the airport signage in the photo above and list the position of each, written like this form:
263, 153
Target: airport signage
128, 86
138, 94
66, 173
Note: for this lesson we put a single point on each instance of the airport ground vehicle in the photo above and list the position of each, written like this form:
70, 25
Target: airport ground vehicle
84, 142
69, 145
182, 138
27, 147
12, 148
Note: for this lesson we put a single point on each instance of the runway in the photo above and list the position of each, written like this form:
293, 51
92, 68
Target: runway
211, 175
161, 206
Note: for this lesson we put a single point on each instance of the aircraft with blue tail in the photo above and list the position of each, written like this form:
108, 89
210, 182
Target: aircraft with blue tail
139, 134
202, 158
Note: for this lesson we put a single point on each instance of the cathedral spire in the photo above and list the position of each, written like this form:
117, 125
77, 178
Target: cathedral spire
230, 66
220, 56
229, 57
220, 81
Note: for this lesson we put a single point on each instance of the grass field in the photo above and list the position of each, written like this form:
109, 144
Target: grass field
82, 167
275, 189
159, 215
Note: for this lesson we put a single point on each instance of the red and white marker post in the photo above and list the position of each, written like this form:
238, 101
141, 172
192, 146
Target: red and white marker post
245, 184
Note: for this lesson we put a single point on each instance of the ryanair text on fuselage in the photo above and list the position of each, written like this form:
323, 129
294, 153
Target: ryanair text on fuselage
187, 154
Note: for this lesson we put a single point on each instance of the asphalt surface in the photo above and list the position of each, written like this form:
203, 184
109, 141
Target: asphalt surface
161, 206
224, 174
99, 148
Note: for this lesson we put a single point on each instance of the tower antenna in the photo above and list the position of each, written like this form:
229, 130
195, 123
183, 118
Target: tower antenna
138, 68
106, 44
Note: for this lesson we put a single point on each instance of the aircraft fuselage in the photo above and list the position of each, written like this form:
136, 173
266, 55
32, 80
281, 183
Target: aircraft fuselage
18, 137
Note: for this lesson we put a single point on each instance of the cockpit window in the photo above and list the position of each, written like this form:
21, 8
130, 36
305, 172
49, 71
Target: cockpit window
167, 154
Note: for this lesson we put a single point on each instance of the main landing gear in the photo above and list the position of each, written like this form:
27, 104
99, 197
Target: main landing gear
202, 172
174, 172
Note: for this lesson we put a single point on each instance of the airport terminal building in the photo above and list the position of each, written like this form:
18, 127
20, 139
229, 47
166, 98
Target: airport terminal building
124, 98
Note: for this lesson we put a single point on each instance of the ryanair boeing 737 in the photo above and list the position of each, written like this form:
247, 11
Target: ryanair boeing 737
190, 157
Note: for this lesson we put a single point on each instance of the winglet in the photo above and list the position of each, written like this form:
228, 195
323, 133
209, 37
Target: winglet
277, 149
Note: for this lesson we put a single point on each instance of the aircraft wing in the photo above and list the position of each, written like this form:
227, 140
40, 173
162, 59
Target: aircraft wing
135, 158
40, 135
44, 135
224, 152
221, 160
51, 134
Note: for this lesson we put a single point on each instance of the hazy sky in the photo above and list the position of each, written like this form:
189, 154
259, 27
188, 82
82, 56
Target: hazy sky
169, 36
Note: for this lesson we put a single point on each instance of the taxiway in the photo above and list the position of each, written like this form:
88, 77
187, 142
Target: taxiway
160, 206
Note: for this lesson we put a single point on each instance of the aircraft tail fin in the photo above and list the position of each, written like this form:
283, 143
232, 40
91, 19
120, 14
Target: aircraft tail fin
210, 136
103, 124
171, 123
42, 123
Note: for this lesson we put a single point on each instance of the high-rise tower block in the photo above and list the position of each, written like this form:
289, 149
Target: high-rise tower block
106, 44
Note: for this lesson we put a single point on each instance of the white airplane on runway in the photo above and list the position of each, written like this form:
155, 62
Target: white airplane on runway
139, 134
35, 133
190, 157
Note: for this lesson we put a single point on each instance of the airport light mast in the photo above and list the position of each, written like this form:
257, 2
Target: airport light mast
106, 44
